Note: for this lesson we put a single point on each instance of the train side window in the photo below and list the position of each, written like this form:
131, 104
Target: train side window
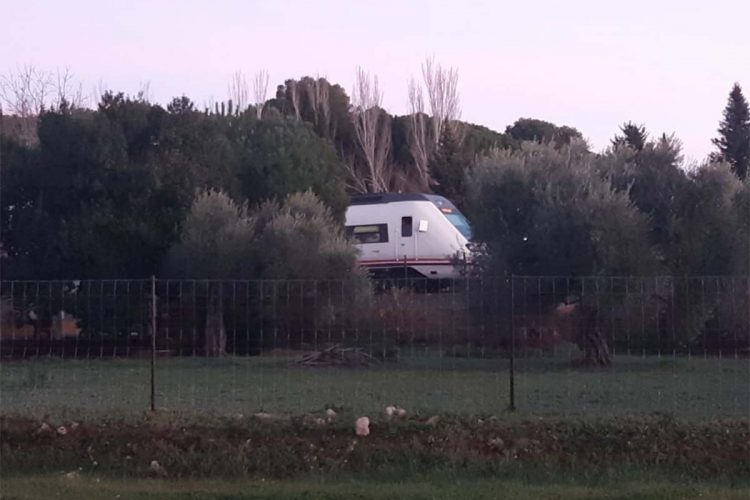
373, 233
406, 227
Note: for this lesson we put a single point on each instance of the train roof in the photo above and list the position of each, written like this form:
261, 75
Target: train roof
382, 198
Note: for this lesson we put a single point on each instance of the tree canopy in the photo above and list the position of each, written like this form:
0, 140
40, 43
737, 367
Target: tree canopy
733, 143
105, 192
545, 211
121, 189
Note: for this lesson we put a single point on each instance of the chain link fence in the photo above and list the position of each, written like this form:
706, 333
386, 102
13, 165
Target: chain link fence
537, 345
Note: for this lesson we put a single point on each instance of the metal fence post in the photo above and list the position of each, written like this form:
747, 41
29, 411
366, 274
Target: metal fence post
512, 364
153, 343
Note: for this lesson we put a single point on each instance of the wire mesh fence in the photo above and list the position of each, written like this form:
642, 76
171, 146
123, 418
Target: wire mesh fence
540, 345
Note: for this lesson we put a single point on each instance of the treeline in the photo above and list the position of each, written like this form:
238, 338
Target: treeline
627, 212
132, 188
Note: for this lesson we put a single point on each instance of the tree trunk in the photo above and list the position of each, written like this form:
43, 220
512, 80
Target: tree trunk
596, 350
215, 336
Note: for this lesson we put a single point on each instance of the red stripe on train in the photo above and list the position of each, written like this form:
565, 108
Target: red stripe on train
413, 262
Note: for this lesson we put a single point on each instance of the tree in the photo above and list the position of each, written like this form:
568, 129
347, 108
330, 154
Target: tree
105, 191
420, 143
214, 244
566, 136
449, 167
314, 265
214, 240
322, 104
708, 232
279, 155
441, 85
307, 239
634, 136
238, 92
546, 211
372, 130
260, 88
733, 143
28, 91
223, 240
18, 195
655, 181
741, 204
294, 98
479, 141
425, 132
531, 129
318, 99
82, 201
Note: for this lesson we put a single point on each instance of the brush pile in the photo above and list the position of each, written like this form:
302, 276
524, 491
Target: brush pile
337, 356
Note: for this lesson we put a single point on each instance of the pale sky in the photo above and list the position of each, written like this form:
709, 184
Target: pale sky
591, 64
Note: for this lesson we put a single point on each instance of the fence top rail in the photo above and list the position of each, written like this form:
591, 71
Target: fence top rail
82, 282
660, 276
78, 281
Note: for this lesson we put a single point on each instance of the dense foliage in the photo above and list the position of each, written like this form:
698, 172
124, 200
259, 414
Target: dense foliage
113, 191
545, 211
221, 239
105, 192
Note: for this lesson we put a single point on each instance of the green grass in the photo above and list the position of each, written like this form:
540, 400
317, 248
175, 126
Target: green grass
426, 383
60, 486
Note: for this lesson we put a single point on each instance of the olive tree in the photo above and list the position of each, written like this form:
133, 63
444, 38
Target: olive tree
544, 211
291, 250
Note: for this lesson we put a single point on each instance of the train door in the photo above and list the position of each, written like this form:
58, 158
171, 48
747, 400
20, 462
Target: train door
407, 247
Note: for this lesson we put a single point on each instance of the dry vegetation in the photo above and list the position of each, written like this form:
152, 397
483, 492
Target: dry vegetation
166, 446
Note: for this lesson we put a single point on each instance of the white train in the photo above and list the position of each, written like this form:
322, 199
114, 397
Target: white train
408, 235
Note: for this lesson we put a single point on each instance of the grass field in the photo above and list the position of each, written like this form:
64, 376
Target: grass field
545, 386
442, 486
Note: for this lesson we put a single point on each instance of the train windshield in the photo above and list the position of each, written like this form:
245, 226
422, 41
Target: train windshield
453, 215
458, 220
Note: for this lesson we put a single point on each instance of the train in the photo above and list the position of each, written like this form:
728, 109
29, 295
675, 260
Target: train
409, 235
